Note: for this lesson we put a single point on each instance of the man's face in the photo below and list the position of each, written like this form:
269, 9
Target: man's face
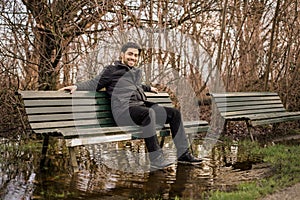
130, 57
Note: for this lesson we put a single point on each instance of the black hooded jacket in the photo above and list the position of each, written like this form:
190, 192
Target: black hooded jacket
122, 83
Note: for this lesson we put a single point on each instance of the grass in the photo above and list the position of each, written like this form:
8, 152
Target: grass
284, 159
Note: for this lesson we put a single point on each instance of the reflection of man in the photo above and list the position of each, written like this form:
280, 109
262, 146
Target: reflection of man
122, 82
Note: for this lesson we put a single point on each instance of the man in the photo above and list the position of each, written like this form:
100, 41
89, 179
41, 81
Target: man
122, 82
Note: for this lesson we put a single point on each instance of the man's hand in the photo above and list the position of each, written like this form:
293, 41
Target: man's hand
71, 88
154, 90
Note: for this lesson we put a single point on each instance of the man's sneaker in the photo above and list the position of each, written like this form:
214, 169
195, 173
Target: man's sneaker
188, 158
160, 162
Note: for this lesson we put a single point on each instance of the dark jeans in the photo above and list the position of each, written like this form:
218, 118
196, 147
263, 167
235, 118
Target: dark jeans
152, 114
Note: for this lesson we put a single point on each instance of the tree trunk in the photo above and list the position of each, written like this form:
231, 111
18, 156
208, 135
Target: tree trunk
48, 76
274, 26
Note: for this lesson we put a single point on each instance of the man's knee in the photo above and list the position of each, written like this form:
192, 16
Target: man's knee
174, 112
148, 118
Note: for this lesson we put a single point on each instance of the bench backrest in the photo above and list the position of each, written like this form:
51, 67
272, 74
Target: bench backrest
242, 104
49, 111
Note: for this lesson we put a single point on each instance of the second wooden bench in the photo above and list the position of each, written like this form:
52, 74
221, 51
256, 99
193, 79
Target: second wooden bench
255, 108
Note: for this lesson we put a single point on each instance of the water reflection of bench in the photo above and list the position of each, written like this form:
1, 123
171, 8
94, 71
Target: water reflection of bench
255, 108
85, 118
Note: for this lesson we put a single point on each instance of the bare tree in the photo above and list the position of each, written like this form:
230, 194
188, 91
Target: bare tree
55, 25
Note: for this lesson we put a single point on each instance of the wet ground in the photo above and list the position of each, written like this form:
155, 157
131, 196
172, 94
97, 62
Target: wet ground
119, 171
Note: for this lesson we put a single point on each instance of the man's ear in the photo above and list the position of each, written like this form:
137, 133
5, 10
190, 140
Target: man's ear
122, 56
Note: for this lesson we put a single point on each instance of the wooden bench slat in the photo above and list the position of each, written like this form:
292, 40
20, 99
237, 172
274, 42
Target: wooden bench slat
243, 94
97, 130
61, 124
114, 130
91, 139
275, 115
252, 108
240, 104
77, 94
247, 113
245, 99
113, 138
66, 109
76, 132
70, 130
72, 109
263, 116
60, 94
69, 116
97, 139
64, 102
195, 123
78, 102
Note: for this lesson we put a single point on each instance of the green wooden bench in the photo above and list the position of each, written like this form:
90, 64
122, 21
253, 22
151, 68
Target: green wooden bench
85, 118
255, 108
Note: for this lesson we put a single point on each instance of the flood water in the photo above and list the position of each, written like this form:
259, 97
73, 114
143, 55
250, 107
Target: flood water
112, 171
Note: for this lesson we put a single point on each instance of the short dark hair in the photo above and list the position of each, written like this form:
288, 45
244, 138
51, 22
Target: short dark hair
131, 45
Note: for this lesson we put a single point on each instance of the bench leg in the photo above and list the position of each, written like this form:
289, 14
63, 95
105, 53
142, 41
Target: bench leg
163, 135
162, 141
225, 127
73, 159
44, 150
250, 130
